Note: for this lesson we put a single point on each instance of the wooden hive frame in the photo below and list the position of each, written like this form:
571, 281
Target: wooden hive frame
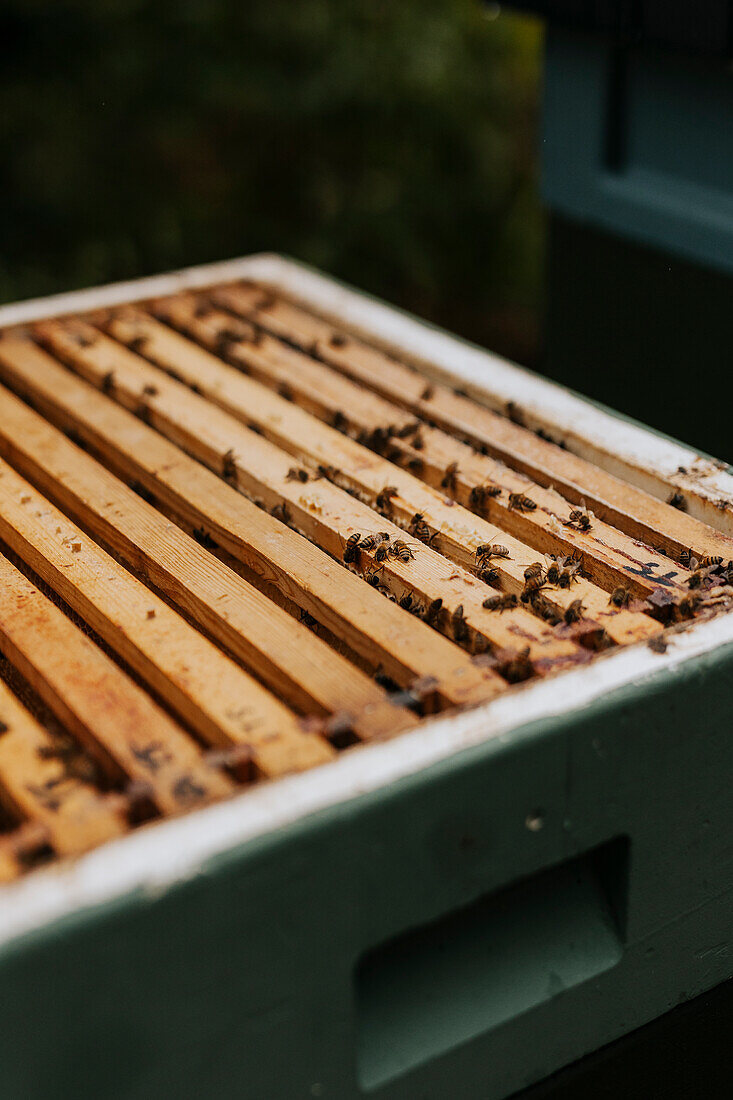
622, 471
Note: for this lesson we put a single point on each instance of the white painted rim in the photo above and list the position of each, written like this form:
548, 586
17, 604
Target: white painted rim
156, 857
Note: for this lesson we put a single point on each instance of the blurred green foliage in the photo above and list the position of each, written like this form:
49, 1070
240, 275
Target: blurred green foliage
389, 143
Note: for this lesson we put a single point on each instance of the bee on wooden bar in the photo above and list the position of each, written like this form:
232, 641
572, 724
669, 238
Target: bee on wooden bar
501, 602
417, 441
676, 500
338, 340
384, 498
401, 550
578, 518
330, 473
709, 561
433, 611
351, 550
547, 611
570, 569
490, 576
108, 381
518, 668
203, 538
552, 572
450, 477
521, 503
480, 495
339, 421
428, 393
229, 465
281, 511
373, 540
532, 587
686, 558
373, 579
408, 603
380, 554
458, 624
534, 570
574, 613
297, 473
138, 343
620, 597
488, 550
418, 528
688, 605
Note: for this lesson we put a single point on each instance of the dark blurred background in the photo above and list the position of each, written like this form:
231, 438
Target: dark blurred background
389, 143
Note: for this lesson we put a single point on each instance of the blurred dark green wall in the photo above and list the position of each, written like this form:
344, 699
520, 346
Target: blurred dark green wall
390, 143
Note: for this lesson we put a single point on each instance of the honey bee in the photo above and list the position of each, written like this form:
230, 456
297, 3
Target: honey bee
137, 343
480, 495
418, 528
338, 340
408, 603
521, 503
384, 498
488, 550
450, 477
490, 576
380, 554
108, 381
688, 605
401, 550
686, 558
416, 466
570, 568
433, 611
417, 441
620, 597
574, 612
375, 580
229, 465
552, 573
532, 586
578, 518
281, 512
373, 540
709, 561
547, 611
518, 668
534, 570
351, 550
458, 624
676, 500
297, 473
428, 393
502, 602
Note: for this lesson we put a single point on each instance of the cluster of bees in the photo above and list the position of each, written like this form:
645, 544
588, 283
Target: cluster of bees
381, 546
560, 571
710, 580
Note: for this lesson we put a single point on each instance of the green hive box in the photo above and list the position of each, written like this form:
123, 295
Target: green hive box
455, 913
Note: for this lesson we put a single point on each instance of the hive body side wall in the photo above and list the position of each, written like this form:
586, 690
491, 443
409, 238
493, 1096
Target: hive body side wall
240, 980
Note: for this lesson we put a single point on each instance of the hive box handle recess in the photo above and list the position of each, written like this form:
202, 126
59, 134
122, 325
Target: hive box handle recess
442, 984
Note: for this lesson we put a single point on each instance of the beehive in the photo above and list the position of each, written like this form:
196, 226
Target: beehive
254, 525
